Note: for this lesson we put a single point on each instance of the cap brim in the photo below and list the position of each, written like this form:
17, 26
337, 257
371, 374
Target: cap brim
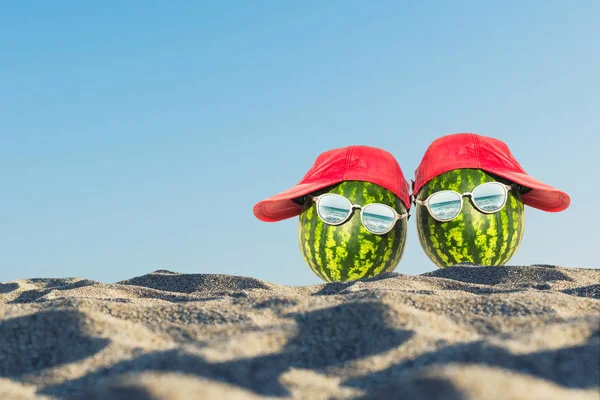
281, 206
542, 196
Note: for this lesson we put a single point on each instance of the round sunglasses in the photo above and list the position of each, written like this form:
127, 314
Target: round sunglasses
377, 218
488, 198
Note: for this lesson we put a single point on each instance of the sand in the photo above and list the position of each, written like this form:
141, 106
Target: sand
466, 332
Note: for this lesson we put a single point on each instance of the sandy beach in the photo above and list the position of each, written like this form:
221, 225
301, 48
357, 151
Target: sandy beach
511, 332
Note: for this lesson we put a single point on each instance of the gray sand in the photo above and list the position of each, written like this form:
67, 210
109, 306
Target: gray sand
456, 333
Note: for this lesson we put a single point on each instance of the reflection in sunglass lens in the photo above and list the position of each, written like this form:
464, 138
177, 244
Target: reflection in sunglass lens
489, 197
334, 209
445, 205
378, 218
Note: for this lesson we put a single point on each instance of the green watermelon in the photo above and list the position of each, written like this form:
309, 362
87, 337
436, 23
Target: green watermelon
349, 252
472, 237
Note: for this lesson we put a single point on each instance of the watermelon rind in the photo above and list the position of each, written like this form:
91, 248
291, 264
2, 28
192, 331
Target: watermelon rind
472, 237
349, 252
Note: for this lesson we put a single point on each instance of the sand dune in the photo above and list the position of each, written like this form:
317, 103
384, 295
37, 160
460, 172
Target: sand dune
456, 333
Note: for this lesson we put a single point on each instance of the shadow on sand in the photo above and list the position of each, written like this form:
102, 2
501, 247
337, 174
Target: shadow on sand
326, 337
43, 340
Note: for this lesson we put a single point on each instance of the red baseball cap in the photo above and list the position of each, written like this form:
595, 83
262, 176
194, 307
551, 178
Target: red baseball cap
352, 163
469, 150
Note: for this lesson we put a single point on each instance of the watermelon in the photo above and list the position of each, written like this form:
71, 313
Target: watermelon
472, 237
349, 252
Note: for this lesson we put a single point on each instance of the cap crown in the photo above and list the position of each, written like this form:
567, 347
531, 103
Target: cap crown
360, 163
464, 150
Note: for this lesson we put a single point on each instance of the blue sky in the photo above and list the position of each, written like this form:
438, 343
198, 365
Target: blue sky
137, 136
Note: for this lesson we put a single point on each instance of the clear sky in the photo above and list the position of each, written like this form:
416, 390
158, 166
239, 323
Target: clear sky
137, 136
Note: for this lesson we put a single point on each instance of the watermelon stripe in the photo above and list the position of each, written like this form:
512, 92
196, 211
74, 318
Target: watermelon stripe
452, 181
388, 250
398, 240
320, 254
435, 240
352, 195
317, 235
422, 213
505, 237
509, 249
444, 181
332, 262
366, 197
306, 228
517, 225
470, 180
343, 238
305, 241
366, 252
480, 225
393, 242
434, 187
492, 241
391, 200
353, 272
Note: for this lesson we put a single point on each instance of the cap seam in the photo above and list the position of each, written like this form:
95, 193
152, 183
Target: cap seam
476, 147
348, 157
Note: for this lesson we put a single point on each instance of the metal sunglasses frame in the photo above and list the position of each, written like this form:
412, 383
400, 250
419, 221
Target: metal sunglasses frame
397, 216
506, 188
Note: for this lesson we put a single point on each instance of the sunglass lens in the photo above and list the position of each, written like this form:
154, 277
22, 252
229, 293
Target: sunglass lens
445, 205
334, 209
378, 218
489, 197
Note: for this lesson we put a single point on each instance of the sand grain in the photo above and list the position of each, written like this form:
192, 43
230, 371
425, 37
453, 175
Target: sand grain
459, 333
